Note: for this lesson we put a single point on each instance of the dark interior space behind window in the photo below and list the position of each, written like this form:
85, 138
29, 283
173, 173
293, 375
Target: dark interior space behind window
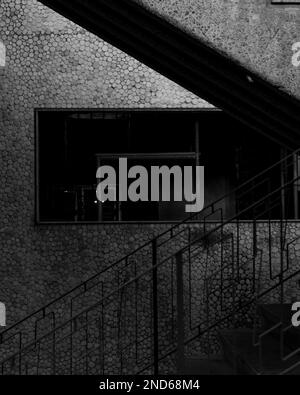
69, 141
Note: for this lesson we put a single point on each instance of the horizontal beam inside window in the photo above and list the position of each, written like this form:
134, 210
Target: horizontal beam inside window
171, 155
285, 3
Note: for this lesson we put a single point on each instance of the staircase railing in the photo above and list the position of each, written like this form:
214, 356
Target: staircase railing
131, 317
287, 275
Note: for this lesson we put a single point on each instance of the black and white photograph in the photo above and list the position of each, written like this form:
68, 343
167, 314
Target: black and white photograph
149, 191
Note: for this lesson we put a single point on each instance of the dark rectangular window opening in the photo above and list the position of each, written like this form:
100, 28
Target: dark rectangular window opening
285, 2
71, 144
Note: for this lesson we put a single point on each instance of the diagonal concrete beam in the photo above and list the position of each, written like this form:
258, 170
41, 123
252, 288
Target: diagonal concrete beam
190, 63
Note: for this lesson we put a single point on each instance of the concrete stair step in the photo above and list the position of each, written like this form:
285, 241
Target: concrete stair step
241, 354
213, 366
274, 314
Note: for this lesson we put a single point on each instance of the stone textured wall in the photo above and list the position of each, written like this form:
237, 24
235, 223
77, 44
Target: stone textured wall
218, 300
52, 63
212, 299
255, 33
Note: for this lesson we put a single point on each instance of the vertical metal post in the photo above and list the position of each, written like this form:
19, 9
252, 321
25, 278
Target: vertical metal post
296, 186
282, 240
254, 238
82, 204
197, 142
155, 307
20, 355
197, 150
76, 216
283, 174
100, 204
180, 314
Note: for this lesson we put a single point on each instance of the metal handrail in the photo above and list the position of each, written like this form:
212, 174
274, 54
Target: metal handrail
148, 243
135, 279
181, 250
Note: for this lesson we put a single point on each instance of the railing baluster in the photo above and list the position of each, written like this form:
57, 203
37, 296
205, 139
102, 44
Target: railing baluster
155, 309
214, 242
180, 314
86, 343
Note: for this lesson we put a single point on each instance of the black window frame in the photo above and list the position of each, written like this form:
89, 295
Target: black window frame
37, 111
284, 3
